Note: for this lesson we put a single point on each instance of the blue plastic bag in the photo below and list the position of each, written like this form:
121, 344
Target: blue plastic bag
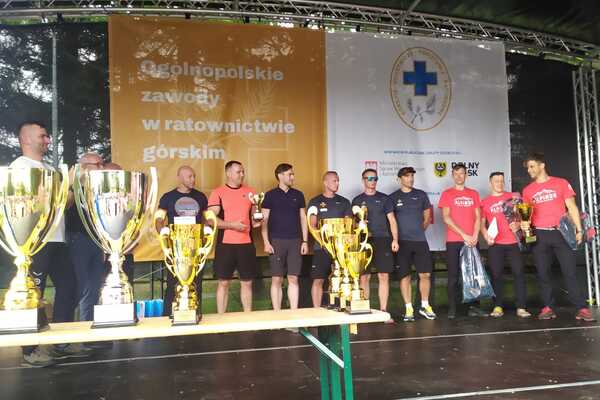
475, 282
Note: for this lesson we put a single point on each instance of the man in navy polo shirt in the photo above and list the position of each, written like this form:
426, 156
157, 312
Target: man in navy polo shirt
285, 234
383, 235
413, 214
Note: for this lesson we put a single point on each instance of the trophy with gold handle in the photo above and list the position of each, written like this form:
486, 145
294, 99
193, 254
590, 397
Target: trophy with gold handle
186, 248
32, 203
525, 211
356, 261
257, 200
329, 229
113, 206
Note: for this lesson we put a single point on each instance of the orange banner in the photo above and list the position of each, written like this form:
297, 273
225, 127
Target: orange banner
199, 93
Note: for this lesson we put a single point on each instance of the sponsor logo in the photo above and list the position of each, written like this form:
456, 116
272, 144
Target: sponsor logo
497, 208
420, 88
371, 165
544, 196
463, 201
440, 168
472, 167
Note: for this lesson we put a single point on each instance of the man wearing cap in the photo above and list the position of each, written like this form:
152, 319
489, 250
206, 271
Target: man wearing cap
383, 234
412, 210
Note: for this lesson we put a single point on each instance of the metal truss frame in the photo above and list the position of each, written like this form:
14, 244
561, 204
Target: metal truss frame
585, 94
321, 14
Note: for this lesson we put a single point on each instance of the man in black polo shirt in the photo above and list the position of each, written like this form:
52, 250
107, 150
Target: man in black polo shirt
182, 205
329, 205
413, 214
285, 234
383, 235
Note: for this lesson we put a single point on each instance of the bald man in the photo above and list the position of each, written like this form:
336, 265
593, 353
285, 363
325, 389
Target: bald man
53, 259
182, 205
86, 256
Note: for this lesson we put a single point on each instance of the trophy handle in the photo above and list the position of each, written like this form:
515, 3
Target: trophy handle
164, 237
59, 207
210, 237
368, 249
82, 208
150, 206
362, 228
315, 233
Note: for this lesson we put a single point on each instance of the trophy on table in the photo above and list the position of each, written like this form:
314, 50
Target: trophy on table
32, 203
328, 234
113, 206
257, 201
354, 254
525, 211
186, 248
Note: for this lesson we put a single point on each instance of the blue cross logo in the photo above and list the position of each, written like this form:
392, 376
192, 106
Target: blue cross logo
420, 78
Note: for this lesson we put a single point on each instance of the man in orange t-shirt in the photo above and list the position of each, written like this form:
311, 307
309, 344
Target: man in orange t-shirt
235, 249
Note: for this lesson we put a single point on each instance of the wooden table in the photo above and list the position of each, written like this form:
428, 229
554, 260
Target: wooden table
332, 341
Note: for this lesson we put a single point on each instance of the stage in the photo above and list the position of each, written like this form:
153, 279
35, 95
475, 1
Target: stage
509, 358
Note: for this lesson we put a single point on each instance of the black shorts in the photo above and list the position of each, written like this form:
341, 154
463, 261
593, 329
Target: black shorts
321, 264
413, 252
287, 259
383, 257
229, 257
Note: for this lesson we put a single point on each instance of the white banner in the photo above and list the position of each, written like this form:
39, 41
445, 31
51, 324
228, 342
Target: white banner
418, 102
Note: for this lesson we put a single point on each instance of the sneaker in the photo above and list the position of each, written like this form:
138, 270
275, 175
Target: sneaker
546, 313
523, 313
497, 312
73, 350
476, 312
585, 314
409, 316
427, 312
38, 358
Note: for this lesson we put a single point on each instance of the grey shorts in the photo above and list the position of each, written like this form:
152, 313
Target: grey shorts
287, 259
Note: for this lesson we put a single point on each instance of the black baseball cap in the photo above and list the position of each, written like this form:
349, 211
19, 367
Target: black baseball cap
406, 170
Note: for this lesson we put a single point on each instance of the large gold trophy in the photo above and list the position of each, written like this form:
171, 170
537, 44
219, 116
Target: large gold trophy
186, 248
32, 202
354, 254
331, 233
113, 206
525, 211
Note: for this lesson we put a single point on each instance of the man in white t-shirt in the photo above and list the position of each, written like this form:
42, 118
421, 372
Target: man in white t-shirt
53, 259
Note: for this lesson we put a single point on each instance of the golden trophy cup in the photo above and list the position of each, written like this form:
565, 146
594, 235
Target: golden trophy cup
356, 262
525, 211
186, 248
257, 201
328, 235
32, 202
113, 206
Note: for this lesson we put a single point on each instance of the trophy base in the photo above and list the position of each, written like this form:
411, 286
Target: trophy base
187, 317
334, 302
23, 321
258, 216
530, 239
359, 307
113, 315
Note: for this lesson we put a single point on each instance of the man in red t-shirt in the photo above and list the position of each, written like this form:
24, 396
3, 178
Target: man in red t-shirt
461, 213
234, 249
503, 245
550, 197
